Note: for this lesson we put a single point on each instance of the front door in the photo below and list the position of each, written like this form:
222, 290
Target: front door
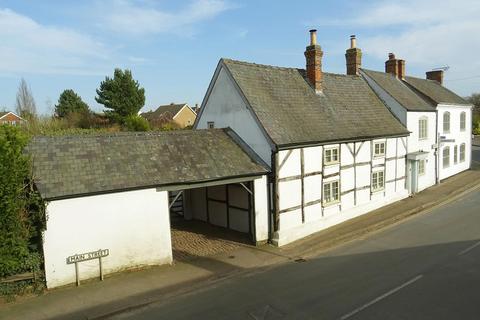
413, 176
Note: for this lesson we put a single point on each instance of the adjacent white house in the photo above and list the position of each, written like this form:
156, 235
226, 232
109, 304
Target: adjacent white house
107, 196
434, 115
334, 149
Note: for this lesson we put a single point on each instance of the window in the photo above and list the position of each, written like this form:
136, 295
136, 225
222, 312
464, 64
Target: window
462, 152
446, 122
378, 181
455, 154
423, 128
210, 124
421, 167
330, 192
330, 156
463, 117
379, 149
446, 157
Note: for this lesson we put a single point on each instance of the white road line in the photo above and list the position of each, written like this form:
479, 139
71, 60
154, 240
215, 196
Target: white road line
469, 248
383, 296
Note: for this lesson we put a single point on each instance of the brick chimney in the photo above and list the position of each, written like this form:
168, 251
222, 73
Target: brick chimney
401, 68
353, 57
436, 75
313, 55
391, 65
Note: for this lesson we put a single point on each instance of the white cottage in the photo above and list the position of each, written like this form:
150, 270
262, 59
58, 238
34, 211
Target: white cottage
107, 196
433, 114
334, 149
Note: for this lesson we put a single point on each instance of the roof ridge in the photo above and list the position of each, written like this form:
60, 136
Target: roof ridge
124, 134
253, 64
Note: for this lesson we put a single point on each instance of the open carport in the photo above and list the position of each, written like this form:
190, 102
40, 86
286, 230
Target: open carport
114, 193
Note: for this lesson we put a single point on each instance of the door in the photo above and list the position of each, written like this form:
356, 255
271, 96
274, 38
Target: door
413, 176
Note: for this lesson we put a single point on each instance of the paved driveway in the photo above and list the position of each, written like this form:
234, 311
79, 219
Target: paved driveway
193, 239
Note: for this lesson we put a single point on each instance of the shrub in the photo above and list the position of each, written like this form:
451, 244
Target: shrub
136, 123
21, 209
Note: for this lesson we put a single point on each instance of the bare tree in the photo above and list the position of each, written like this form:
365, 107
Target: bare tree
25, 105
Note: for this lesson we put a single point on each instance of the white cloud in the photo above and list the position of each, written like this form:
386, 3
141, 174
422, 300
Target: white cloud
127, 16
427, 34
27, 46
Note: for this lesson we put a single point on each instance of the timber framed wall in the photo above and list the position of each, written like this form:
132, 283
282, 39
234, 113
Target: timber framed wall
302, 173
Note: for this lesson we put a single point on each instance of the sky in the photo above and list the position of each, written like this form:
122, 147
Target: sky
172, 47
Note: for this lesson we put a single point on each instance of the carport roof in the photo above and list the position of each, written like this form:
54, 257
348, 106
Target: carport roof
73, 166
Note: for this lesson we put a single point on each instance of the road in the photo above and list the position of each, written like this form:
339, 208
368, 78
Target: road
427, 267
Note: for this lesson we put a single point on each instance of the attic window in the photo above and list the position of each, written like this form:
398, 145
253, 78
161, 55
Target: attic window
379, 149
210, 124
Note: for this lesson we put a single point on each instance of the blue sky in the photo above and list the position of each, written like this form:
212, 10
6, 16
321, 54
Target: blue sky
173, 47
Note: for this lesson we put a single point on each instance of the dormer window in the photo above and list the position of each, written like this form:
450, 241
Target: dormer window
210, 124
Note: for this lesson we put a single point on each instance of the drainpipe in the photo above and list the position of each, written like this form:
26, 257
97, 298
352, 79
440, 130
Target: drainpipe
437, 150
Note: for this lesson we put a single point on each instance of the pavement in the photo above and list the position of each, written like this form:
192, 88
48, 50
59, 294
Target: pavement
132, 290
425, 268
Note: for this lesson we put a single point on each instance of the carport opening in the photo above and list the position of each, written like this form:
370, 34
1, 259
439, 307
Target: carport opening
210, 220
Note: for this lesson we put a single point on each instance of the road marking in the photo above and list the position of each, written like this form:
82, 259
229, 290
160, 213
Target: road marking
469, 248
383, 296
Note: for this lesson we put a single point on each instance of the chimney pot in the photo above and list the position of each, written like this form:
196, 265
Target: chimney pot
353, 41
391, 56
313, 37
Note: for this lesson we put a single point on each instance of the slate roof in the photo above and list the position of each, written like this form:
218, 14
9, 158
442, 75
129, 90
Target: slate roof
166, 110
399, 91
78, 165
292, 113
435, 91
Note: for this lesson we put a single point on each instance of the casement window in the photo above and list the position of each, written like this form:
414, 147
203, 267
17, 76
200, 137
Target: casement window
446, 122
210, 124
330, 192
446, 157
455, 154
421, 167
330, 155
423, 128
379, 149
378, 181
462, 152
463, 117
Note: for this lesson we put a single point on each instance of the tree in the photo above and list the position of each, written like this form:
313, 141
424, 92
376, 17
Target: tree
25, 104
70, 102
475, 100
122, 95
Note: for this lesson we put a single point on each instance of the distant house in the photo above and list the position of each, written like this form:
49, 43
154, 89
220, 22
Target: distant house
179, 114
8, 117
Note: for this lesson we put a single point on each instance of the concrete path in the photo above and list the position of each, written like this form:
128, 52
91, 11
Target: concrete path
131, 290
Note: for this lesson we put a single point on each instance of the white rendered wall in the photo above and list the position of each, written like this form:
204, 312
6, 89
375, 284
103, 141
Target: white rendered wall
356, 196
459, 136
226, 108
134, 226
416, 144
261, 209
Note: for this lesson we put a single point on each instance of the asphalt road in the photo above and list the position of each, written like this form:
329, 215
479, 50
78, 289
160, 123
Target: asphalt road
425, 268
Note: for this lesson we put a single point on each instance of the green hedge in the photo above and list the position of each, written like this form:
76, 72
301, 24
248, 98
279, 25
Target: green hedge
22, 216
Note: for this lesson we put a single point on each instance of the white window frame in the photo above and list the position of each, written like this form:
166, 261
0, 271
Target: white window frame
423, 130
328, 157
455, 154
446, 122
378, 180
462, 152
381, 153
446, 155
463, 121
421, 167
331, 190
210, 124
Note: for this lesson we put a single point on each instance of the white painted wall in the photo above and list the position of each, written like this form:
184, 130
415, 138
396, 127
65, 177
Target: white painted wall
226, 108
459, 136
261, 209
319, 216
415, 144
134, 226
